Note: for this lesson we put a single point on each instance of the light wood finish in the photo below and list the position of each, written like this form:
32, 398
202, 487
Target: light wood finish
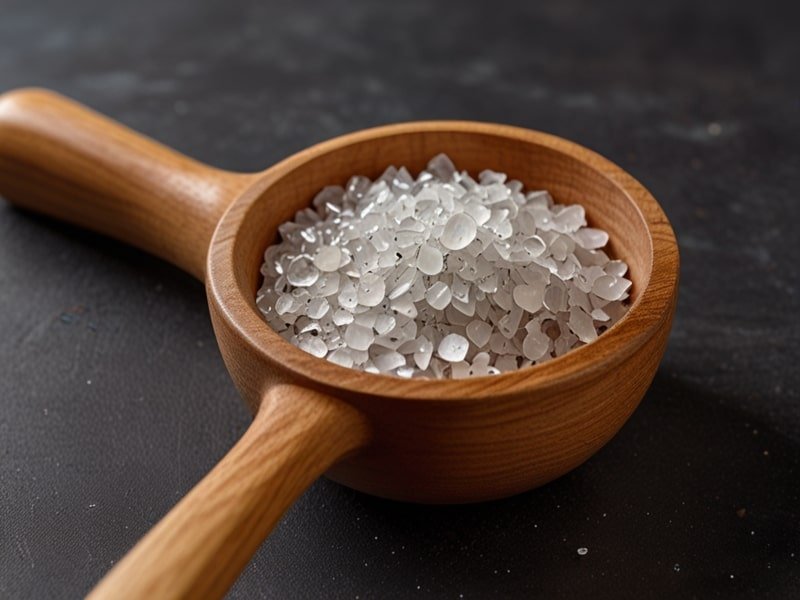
431, 441
201, 546
62, 159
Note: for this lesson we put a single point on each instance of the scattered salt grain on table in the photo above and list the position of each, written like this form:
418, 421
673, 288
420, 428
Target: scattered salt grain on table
440, 276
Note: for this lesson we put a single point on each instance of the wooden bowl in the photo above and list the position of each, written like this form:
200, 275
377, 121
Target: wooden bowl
426, 441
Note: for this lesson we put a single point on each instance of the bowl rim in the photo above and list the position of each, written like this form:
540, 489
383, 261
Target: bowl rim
647, 313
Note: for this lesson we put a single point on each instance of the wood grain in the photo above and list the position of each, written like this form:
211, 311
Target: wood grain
62, 159
201, 546
416, 440
474, 439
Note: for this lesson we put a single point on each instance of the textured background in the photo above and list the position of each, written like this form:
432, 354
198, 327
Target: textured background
113, 397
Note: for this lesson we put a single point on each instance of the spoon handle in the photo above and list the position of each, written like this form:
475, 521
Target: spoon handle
201, 546
69, 162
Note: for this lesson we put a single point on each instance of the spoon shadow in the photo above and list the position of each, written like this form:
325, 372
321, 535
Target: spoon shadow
690, 499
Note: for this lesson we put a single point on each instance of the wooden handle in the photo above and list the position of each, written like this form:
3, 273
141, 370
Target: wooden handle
66, 161
201, 546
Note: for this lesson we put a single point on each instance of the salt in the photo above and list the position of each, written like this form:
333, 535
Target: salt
358, 337
438, 295
371, 290
479, 333
459, 231
430, 260
529, 297
440, 276
328, 258
301, 272
453, 348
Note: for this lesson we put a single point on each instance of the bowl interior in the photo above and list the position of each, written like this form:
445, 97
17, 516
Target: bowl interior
613, 200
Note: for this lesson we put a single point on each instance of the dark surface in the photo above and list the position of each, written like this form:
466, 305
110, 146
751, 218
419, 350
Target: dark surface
114, 400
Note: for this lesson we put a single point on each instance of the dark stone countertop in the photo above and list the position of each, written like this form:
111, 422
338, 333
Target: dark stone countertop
113, 397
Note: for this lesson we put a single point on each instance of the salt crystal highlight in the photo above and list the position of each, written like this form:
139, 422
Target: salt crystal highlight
440, 276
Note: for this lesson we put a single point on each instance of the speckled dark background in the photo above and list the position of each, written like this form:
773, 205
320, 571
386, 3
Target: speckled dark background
113, 397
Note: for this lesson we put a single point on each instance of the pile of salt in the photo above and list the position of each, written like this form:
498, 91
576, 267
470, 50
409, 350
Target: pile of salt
440, 276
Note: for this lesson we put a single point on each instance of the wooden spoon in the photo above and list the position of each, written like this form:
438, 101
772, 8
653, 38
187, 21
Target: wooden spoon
427, 441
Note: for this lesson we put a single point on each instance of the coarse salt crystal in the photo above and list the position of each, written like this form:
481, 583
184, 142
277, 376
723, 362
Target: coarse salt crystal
453, 348
358, 337
479, 333
328, 258
459, 231
529, 297
440, 276
430, 260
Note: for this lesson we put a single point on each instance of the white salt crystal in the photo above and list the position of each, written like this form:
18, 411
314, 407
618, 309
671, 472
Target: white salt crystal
590, 238
405, 372
342, 317
453, 348
371, 290
581, 325
314, 345
459, 231
422, 357
478, 212
284, 304
569, 218
328, 258
341, 357
326, 285
301, 272
534, 245
438, 295
609, 287
358, 337
348, 296
442, 167
388, 361
460, 289
555, 298
617, 268
384, 324
509, 322
318, 308
480, 364
535, 345
529, 297
367, 318
379, 274
429, 260
466, 308
479, 333
404, 305
403, 283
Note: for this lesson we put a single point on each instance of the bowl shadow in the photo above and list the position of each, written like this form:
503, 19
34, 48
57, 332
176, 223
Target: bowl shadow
691, 499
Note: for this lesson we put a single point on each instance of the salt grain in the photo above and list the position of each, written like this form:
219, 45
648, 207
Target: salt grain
479, 333
459, 231
430, 260
438, 295
529, 297
358, 337
301, 272
453, 348
328, 258
441, 276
